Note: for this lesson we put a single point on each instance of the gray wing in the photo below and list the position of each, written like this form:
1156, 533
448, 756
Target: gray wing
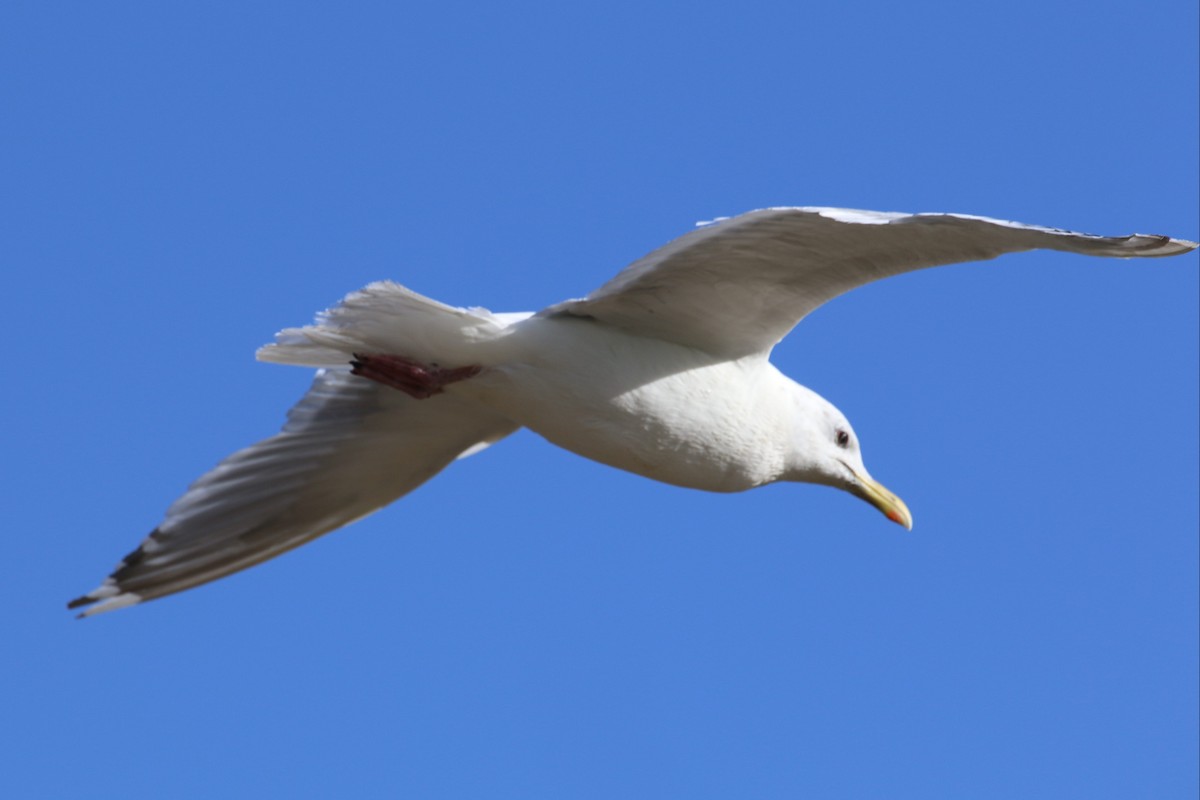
736, 286
349, 447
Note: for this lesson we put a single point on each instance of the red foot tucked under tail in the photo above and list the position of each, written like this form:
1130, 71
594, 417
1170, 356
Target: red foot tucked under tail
414, 378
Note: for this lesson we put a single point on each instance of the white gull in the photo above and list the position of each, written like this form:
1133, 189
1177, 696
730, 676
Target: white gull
663, 372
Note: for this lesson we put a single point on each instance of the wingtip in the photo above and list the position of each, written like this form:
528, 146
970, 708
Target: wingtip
82, 600
109, 595
103, 604
1184, 245
1150, 244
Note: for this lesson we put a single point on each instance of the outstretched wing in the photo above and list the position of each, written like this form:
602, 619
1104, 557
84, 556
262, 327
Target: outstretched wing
349, 447
736, 286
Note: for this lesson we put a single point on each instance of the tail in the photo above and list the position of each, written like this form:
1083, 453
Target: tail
385, 317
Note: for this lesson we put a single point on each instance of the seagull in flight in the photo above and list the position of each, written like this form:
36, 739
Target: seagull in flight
664, 371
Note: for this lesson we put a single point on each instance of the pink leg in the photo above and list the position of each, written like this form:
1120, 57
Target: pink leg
414, 378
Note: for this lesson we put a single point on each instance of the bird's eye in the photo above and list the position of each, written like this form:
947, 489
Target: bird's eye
842, 438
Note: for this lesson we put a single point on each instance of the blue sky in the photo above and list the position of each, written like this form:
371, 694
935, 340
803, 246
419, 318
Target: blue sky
180, 181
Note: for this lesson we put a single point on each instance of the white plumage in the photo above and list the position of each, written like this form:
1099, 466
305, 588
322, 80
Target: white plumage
663, 371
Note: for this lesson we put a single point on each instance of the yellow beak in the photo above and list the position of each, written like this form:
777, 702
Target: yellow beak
892, 507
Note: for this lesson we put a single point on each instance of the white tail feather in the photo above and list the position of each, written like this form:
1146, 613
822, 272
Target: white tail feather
386, 317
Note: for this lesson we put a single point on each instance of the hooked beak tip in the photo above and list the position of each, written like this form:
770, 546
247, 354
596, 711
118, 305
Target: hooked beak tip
877, 495
900, 519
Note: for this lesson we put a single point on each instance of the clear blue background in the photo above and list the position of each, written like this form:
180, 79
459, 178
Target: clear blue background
181, 180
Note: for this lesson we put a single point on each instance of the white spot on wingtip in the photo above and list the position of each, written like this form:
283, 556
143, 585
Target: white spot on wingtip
112, 604
106, 589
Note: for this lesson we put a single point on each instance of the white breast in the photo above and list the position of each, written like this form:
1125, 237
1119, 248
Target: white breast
658, 409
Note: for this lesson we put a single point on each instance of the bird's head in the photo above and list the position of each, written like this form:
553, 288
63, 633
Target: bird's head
825, 450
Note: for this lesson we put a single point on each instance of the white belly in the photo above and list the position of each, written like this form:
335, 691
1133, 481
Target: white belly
646, 406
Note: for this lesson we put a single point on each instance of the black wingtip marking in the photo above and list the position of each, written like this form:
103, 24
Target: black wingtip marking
130, 561
121, 572
85, 600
